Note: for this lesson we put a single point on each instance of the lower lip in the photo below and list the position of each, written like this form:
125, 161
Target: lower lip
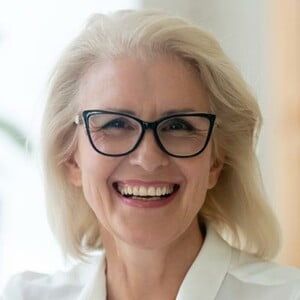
146, 204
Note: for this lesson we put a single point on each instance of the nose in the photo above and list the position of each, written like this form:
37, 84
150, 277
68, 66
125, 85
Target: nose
148, 154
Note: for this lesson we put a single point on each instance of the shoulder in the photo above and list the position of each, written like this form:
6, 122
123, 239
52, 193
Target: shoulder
262, 279
60, 285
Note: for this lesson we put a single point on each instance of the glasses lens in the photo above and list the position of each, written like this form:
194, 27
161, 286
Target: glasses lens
184, 135
112, 133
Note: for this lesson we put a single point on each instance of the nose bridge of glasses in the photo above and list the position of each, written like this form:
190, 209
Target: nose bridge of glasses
152, 127
149, 125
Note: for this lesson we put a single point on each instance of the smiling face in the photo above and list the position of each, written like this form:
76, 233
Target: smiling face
148, 90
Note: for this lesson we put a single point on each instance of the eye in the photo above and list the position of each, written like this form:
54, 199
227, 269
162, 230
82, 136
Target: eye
112, 124
119, 123
177, 124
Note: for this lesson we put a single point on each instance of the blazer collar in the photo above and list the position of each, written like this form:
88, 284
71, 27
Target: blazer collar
202, 281
205, 276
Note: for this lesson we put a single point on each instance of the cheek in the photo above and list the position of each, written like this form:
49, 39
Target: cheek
95, 168
96, 171
196, 173
96, 188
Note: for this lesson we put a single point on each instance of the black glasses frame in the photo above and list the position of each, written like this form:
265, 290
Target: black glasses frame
83, 118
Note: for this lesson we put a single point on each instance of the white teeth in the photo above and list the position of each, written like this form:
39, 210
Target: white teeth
151, 191
135, 191
143, 191
159, 191
129, 190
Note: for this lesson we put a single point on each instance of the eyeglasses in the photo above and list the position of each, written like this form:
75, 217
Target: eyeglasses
117, 134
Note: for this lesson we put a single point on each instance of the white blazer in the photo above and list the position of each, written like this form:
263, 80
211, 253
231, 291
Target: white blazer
219, 272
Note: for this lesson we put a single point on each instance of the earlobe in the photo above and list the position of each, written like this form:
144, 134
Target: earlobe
215, 171
73, 171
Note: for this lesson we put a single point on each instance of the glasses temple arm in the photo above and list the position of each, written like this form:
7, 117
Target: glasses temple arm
78, 119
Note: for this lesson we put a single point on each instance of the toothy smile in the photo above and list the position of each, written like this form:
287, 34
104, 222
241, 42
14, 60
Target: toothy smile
149, 192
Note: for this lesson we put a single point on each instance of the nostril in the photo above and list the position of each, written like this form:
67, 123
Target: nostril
149, 154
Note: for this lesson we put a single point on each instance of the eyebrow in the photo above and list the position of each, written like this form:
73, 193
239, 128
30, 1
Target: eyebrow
166, 113
178, 111
124, 111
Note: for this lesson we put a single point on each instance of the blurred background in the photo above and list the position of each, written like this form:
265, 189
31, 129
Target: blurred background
261, 36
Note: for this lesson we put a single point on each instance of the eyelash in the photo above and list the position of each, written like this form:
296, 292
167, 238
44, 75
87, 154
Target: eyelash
187, 126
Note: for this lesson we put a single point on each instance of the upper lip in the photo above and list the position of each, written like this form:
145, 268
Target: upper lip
138, 182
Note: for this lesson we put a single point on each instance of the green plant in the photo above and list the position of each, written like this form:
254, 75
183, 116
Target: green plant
16, 135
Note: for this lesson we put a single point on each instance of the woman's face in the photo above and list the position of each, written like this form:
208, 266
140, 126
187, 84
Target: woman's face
149, 90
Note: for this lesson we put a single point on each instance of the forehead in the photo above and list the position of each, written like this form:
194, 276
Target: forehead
147, 87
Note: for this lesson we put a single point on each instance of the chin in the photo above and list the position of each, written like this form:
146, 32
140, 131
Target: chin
147, 238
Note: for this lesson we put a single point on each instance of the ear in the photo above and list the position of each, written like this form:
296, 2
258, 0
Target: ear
73, 171
214, 173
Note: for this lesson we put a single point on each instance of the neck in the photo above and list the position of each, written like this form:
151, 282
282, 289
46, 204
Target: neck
139, 273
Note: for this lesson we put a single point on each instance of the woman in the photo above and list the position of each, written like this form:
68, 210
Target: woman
149, 155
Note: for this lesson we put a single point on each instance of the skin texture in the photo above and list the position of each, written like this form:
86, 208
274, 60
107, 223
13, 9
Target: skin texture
160, 243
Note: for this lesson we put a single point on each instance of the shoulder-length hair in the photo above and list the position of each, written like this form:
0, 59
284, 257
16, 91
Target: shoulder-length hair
236, 206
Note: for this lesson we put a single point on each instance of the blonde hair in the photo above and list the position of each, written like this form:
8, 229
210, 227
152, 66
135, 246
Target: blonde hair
236, 206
